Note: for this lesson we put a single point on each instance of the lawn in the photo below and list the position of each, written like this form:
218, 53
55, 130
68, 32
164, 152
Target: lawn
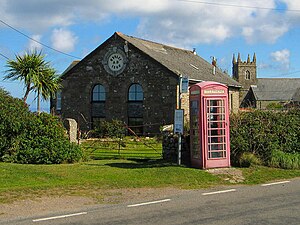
84, 179
17, 180
138, 167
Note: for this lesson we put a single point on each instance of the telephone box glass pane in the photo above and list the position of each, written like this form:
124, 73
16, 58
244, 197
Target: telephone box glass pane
215, 113
196, 144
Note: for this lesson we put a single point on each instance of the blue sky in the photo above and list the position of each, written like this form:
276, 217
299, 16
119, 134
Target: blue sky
219, 28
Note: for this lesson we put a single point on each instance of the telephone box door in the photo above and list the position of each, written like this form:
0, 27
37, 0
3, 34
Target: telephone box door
216, 132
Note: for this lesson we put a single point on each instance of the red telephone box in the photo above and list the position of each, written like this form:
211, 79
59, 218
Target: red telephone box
209, 125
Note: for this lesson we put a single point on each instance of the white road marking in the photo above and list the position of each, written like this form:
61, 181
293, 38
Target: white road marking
149, 203
275, 183
59, 217
219, 192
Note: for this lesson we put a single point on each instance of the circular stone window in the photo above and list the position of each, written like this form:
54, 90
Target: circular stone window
114, 61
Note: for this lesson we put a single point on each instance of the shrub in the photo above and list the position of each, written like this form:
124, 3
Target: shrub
285, 160
45, 142
248, 159
13, 113
261, 132
29, 138
251, 132
274, 106
112, 129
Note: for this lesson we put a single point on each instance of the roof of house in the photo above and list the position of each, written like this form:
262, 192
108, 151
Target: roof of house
276, 89
74, 63
181, 61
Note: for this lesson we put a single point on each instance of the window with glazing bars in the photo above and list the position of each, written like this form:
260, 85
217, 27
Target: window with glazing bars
216, 128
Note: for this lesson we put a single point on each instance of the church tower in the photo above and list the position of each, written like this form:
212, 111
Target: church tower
244, 72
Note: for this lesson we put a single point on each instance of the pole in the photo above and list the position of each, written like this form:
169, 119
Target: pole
179, 149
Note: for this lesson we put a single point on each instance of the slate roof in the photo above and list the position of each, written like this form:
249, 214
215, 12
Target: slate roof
74, 63
296, 96
180, 61
276, 89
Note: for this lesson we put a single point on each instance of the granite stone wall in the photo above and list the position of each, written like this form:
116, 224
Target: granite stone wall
170, 148
158, 83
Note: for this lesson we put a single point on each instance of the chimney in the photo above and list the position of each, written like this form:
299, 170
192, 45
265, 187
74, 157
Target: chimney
214, 64
194, 51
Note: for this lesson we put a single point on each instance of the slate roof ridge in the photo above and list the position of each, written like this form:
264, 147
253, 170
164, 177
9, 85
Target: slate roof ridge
154, 42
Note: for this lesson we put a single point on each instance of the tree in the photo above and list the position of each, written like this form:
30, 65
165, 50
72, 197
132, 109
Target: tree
36, 73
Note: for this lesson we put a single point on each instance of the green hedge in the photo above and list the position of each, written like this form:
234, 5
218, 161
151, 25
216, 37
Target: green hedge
262, 132
29, 138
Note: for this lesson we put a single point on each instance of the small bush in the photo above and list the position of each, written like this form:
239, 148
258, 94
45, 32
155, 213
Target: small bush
45, 142
274, 106
285, 160
248, 159
112, 129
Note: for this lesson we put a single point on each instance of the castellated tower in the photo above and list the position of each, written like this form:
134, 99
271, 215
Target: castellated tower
244, 73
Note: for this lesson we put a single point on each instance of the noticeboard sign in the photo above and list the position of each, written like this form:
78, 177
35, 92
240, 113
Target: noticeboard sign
184, 85
178, 121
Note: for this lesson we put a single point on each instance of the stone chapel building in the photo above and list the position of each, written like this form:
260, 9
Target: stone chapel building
260, 93
136, 81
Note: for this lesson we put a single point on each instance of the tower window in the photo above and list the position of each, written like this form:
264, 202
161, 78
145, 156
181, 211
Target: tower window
247, 75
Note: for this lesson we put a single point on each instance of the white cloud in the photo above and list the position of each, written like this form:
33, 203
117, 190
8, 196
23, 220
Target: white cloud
34, 45
281, 57
63, 40
169, 21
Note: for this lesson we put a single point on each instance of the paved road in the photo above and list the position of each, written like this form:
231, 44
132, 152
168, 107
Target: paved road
272, 204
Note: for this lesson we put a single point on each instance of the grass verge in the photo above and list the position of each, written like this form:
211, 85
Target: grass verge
82, 178
96, 178
261, 174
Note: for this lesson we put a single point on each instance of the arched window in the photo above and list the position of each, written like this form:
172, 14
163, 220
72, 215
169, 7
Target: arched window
135, 93
98, 104
247, 75
135, 108
99, 94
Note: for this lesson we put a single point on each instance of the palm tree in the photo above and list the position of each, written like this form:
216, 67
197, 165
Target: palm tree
36, 73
